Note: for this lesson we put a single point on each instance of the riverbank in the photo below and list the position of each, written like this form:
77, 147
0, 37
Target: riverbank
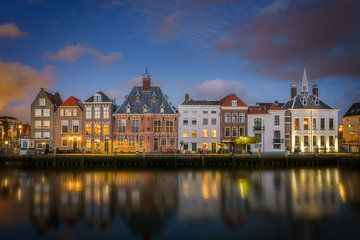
182, 161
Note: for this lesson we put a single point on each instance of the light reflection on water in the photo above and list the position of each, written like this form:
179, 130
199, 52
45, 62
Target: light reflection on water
301, 203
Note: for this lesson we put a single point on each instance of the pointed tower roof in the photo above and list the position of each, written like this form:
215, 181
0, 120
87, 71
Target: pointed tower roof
304, 83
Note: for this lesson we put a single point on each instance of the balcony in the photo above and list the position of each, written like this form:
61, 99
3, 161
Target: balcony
278, 140
259, 128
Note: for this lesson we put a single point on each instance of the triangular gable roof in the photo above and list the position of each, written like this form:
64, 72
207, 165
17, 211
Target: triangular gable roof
273, 106
105, 98
72, 101
226, 101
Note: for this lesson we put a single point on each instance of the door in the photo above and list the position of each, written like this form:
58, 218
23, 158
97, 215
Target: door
75, 144
106, 146
213, 147
156, 144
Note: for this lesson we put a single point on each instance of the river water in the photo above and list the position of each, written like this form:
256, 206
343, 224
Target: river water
319, 203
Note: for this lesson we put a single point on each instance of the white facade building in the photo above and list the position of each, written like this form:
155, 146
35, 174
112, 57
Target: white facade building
199, 125
267, 122
311, 124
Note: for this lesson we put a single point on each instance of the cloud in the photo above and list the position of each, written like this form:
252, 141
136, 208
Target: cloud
275, 7
326, 33
136, 81
71, 53
169, 25
10, 30
19, 84
217, 88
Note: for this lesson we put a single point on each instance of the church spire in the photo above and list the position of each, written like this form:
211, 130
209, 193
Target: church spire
304, 83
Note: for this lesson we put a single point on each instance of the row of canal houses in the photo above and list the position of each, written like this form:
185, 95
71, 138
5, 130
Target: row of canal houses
147, 122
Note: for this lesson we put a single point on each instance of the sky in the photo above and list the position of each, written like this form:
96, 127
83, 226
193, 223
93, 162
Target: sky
208, 48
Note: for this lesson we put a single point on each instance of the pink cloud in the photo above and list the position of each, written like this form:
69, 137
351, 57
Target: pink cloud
217, 88
169, 25
10, 30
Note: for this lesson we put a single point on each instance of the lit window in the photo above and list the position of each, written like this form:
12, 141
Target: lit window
46, 135
64, 142
88, 143
213, 133
46, 124
306, 123
106, 129
193, 133
75, 126
97, 112
185, 133
88, 129
297, 124
88, 112
169, 126
64, 126
205, 133
106, 112
68, 112
97, 129
37, 124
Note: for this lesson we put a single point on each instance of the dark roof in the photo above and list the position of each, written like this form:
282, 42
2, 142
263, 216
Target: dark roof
269, 104
296, 103
8, 117
200, 102
54, 98
103, 95
153, 100
354, 110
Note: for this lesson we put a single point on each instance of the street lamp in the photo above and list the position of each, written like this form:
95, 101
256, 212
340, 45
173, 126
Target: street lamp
6, 146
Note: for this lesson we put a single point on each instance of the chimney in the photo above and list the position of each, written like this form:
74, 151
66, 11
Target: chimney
187, 97
293, 91
315, 90
146, 81
42, 89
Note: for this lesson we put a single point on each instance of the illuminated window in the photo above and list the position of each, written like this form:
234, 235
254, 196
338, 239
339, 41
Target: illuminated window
213, 133
106, 129
106, 112
88, 143
306, 123
97, 129
157, 126
193, 133
68, 112
185, 133
205, 133
297, 124
46, 124
37, 124
64, 142
75, 126
88, 129
169, 126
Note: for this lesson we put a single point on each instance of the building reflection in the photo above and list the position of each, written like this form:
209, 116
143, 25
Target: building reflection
147, 200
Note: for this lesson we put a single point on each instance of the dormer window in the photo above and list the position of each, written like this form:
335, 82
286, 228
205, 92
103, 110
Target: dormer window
304, 101
162, 108
316, 102
128, 108
97, 98
234, 103
145, 109
137, 97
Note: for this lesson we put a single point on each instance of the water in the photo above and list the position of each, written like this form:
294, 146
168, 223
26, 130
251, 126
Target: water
269, 204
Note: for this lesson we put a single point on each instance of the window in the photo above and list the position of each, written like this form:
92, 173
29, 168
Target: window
186, 121
88, 129
322, 123
314, 143
64, 142
169, 126
42, 102
37, 135
64, 126
205, 112
74, 112
88, 143
241, 131
97, 98
46, 135
306, 141
194, 112
186, 146
227, 132
276, 146
97, 112
131, 142
314, 123
163, 142
297, 123
135, 125
331, 141
141, 141
213, 133
241, 117
46, 112
88, 113
213, 121
234, 118
75, 126
68, 112
61, 112
227, 117
106, 112
234, 103
193, 133
186, 112
234, 131
193, 121
172, 142
157, 126
297, 140
193, 146
46, 124
185, 133
276, 120
122, 125
162, 109
258, 136
306, 123
213, 112
277, 134
156, 144
322, 141
106, 129
205, 121
97, 129
257, 124
38, 112
205, 133
331, 124
37, 124
128, 109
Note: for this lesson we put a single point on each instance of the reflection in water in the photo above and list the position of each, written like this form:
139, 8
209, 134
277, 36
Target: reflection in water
146, 203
